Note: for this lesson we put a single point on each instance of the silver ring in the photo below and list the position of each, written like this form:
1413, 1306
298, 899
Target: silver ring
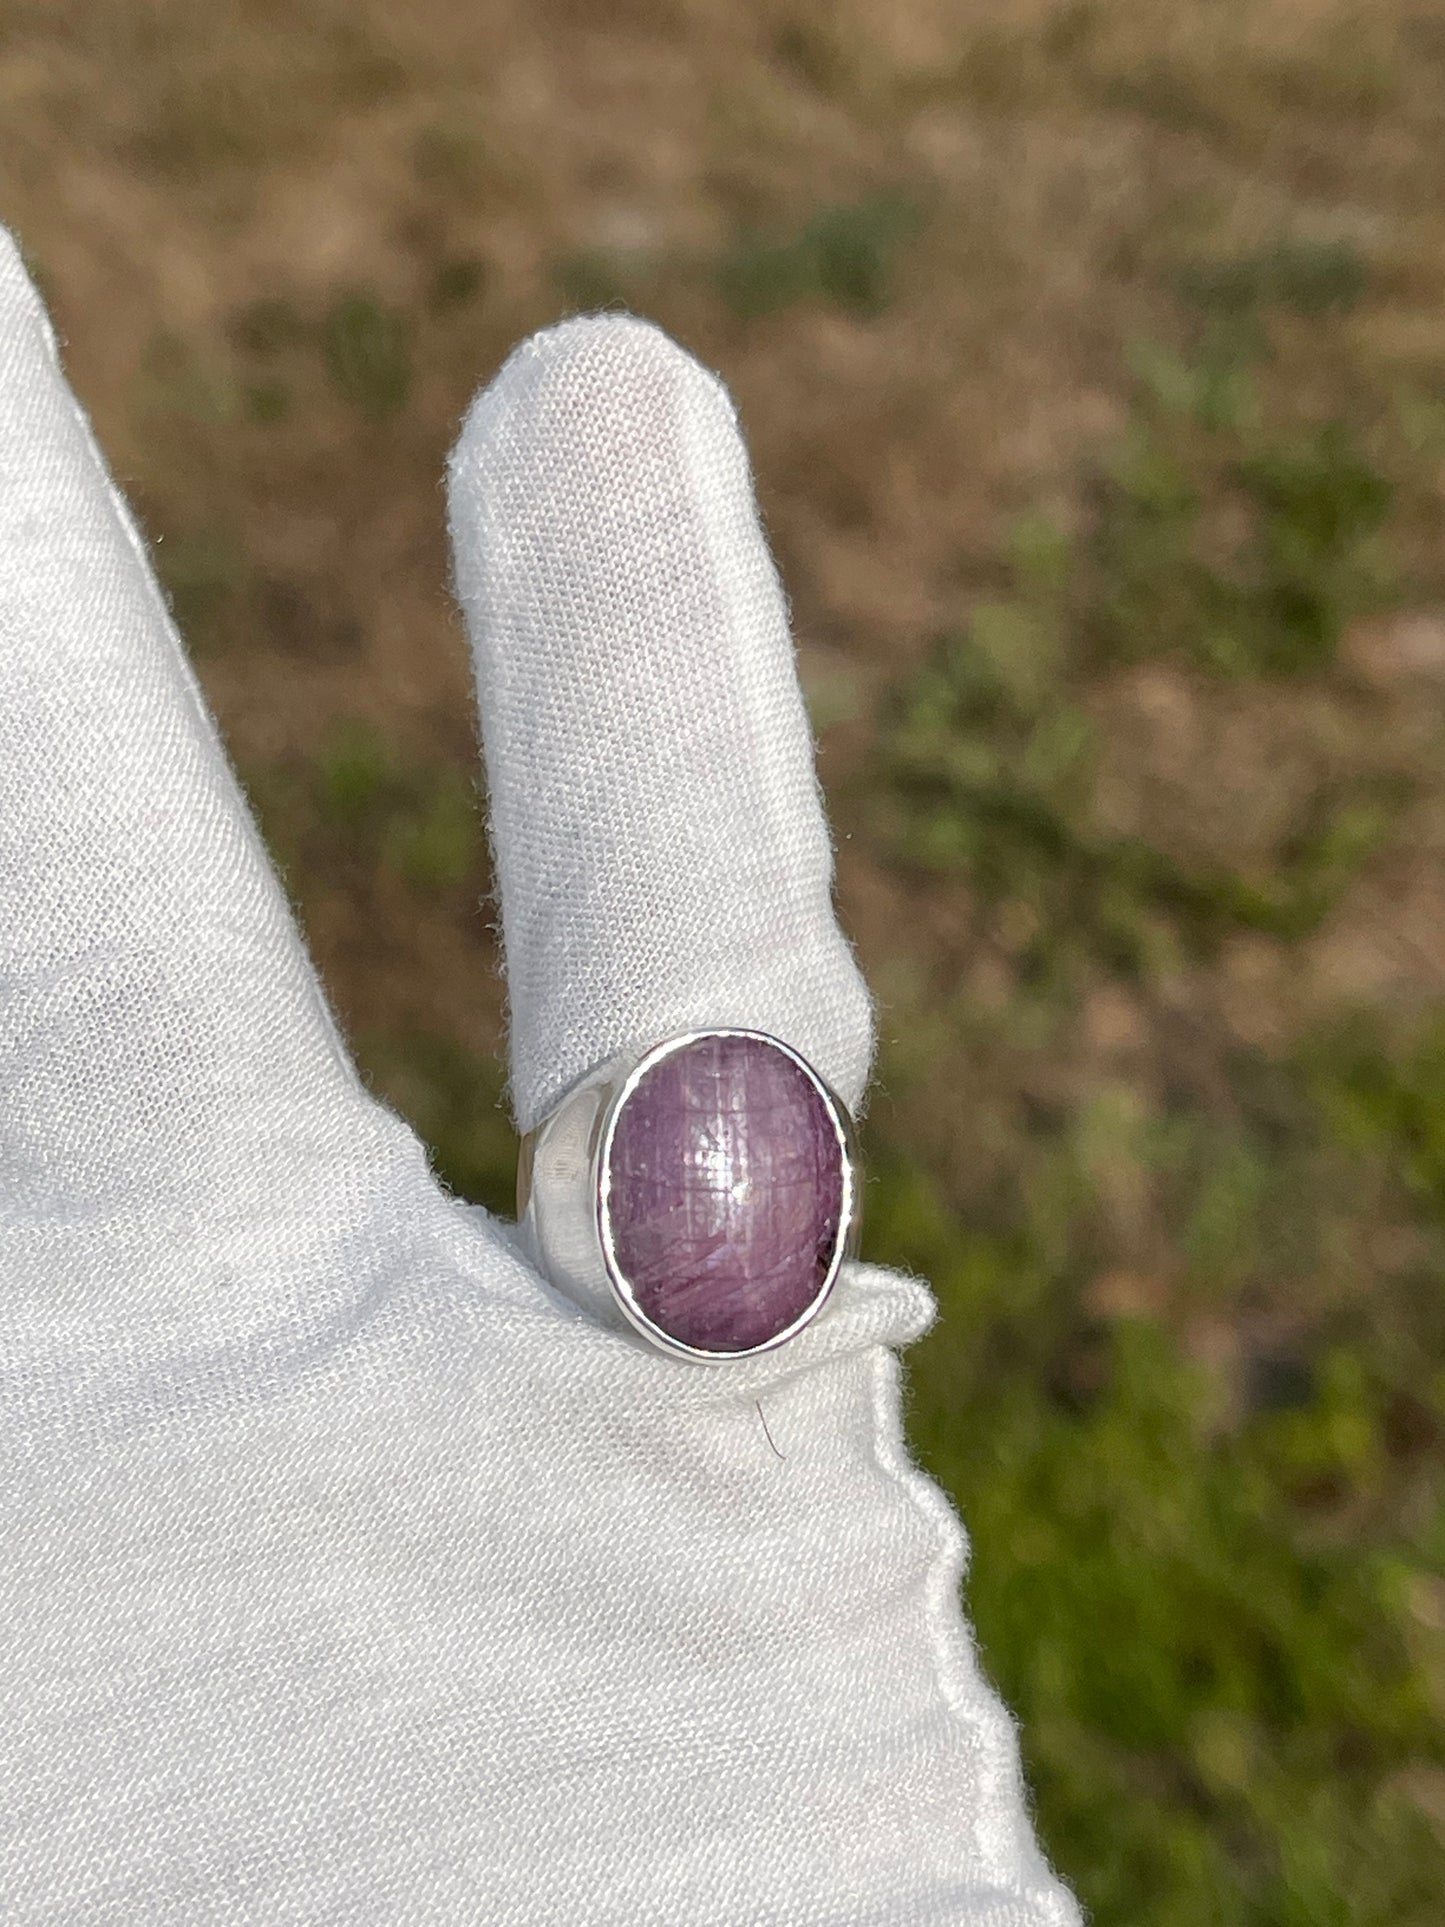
704, 1190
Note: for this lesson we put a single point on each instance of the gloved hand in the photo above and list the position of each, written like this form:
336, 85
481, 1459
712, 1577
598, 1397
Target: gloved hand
348, 1572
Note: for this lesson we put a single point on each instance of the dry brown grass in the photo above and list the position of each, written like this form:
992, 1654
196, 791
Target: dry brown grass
169, 166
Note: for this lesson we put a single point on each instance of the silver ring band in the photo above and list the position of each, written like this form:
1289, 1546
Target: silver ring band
704, 1191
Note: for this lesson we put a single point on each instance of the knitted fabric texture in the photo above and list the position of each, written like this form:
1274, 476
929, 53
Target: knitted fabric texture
348, 1573
659, 839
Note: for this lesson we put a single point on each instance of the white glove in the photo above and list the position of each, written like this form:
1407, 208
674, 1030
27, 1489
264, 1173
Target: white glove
348, 1572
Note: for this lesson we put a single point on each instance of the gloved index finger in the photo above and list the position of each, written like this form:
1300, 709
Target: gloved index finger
661, 851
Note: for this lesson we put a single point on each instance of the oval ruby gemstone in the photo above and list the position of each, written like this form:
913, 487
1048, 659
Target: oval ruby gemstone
726, 1192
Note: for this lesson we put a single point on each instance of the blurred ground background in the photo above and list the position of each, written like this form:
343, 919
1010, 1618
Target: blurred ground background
1093, 359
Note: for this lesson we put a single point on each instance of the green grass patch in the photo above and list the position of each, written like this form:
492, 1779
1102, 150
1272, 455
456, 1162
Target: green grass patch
843, 257
455, 1101
206, 575
1239, 542
1187, 1387
369, 805
1214, 1592
456, 282
1311, 277
1212, 539
367, 349
433, 840
989, 773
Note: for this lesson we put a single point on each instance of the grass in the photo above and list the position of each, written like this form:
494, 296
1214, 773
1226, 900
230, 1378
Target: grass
1219, 1612
454, 1098
416, 820
1204, 1413
1311, 276
843, 257
1243, 543
1094, 375
367, 352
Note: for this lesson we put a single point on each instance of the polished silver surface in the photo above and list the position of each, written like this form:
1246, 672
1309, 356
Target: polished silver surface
562, 1185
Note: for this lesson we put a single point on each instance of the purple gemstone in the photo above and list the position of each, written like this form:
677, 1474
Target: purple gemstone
726, 1192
